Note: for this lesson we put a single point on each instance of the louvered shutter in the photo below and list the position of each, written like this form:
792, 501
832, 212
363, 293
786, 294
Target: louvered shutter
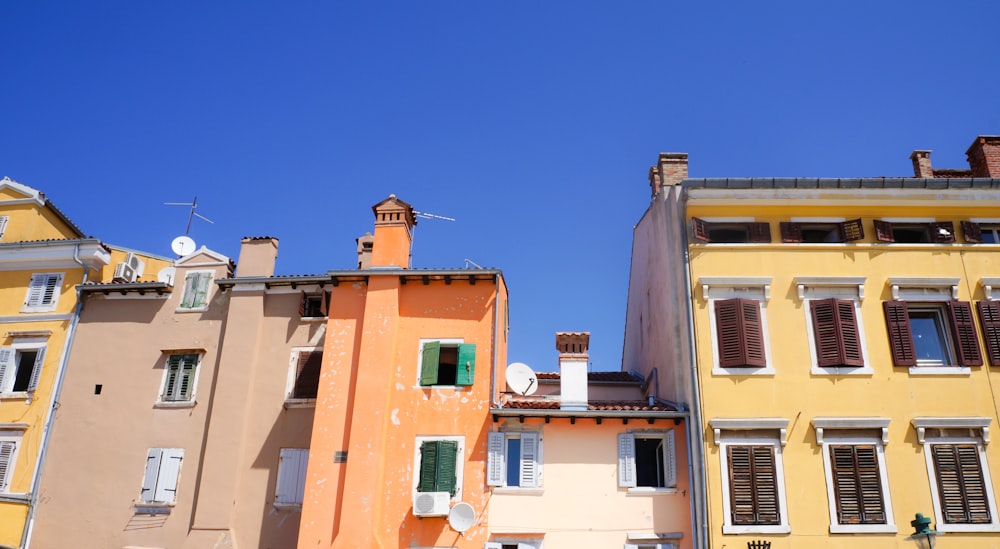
790, 232
428, 466
961, 487
740, 333
185, 377
36, 290
835, 331
495, 469
963, 331
324, 307
852, 230
36, 370
857, 484
429, 363
753, 485
6, 365
153, 458
883, 231
942, 232
626, 460
741, 495
529, 459
446, 466
466, 368
6, 464
310, 364
669, 460
760, 233
766, 485
170, 467
989, 319
700, 229
51, 291
291, 475
897, 320
173, 373
201, 298
972, 231
3, 224
302, 305
190, 290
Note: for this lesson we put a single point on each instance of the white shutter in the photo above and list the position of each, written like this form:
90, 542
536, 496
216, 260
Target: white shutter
36, 371
6, 464
526, 546
495, 470
626, 460
153, 459
51, 293
631, 546
492, 545
669, 460
3, 223
170, 467
35, 290
291, 475
190, 290
529, 459
6, 365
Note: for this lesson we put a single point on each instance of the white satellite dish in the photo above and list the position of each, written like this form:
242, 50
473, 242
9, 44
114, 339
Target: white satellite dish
182, 245
166, 275
461, 517
521, 379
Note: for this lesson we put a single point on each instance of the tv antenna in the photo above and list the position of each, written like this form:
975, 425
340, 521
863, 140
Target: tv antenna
426, 215
193, 205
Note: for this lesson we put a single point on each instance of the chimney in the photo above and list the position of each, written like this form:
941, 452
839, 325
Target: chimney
257, 256
394, 221
670, 169
573, 360
365, 250
984, 156
922, 164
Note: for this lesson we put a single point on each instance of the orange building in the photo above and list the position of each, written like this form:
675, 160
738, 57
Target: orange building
412, 362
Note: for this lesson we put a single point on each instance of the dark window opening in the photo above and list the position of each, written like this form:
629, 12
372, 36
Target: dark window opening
731, 232
448, 365
914, 233
513, 458
310, 363
910, 234
649, 462
728, 233
25, 365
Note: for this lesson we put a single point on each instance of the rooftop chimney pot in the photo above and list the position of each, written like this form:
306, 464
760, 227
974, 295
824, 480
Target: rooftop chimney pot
573, 360
670, 169
922, 164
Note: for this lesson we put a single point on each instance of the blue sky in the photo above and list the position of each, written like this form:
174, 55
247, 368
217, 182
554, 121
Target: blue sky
533, 124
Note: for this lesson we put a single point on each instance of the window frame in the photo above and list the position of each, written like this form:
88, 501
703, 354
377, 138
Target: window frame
954, 322
456, 342
37, 303
885, 230
812, 291
194, 306
718, 289
299, 459
324, 297
832, 432
9, 438
847, 230
162, 458
521, 543
10, 366
973, 229
757, 232
628, 463
294, 372
4, 221
497, 464
161, 401
771, 432
459, 462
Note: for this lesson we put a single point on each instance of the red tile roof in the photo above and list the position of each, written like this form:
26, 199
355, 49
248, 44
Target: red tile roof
594, 376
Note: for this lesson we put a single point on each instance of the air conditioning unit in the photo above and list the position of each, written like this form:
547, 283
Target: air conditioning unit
124, 273
431, 504
134, 262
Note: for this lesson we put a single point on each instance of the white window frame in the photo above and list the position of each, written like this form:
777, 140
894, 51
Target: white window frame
521, 543
496, 467
9, 366
715, 288
459, 465
978, 429
812, 288
752, 432
933, 292
650, 546
627, 461
420, 362
292, 463
293, 368
166, 479
9, 438
994, 221
36, 303
208, 291
191, 401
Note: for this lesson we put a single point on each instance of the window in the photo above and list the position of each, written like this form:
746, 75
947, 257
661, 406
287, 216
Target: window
722, 231
822, 232
439, 465
513, 459
445, 362
3, 224
740, 333
43, 292
914, 232
512, 545
932, 333
753, 483
314, 305
989, 320
196, 289
650, 546
179, 378
304, 374
291, 485
836, 339
981, 233
21, 368
10, 441
159, 484
647, 460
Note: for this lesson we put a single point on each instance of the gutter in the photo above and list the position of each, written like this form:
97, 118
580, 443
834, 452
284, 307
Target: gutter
622, 414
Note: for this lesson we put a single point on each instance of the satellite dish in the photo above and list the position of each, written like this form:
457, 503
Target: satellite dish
461, 517
182, 245
521, 379
166, 274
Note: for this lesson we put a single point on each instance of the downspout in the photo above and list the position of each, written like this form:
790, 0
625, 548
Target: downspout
56, 391
494, 401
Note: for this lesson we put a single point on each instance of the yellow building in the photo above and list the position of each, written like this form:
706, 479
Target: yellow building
839, 343
43, 257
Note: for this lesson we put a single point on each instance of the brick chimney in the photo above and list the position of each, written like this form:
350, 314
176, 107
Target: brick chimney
670, 169
984, 156
394, 221
922, 164
257, 256
365, 250
573, 360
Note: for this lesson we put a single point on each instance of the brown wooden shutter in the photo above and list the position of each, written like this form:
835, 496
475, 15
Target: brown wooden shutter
989, 319
759, 232
741, 491
972, 232
324, 308
302, 305
307, 375
963, 330
700, 228
791, 232
753, 484
740, 333
883, 231
942, 232
852, 230
897, 320
835, 328
857, 484
961, 487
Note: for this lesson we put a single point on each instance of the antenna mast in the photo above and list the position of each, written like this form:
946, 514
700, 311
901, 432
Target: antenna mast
193, 205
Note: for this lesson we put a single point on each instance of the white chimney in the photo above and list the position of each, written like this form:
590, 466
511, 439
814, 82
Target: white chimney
573, 360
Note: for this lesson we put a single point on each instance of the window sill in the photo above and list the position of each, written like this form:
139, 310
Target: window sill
716, 371
843, 371
944, 527
288, 506
175, 404
453, 387
863, 529
515, 490
300, 403
940, 371
38, 309
153, 508
191, 309
756, 529
649, 491
312, 318
14, 496
16, 395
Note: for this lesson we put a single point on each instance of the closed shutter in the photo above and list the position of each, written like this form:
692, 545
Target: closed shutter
6, 464
989, 319
465, 373
201, 297
495, 468
429, 363
626, 460
669, 460
428, 466
190, 296
446, 466
153, 458
170, 467
883, 231
790, 232
529, 459
36, 370
740, 333
963, 330
897, 320
6, 365
942, 232
759, 232
170, 383
291, 475
753, 485
973, 233
700, 229
852, 230
857, 484
310, 364
185, 385
835, 329
961, 487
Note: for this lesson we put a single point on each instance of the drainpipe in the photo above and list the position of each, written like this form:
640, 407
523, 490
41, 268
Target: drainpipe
494, 401
56, 391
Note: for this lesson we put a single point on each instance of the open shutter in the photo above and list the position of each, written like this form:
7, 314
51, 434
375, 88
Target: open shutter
428, 466
626, 460
302, 305
3, 224
760, 233
989, 319
36, 290
961, 486
495, 469
446, 466
791, 232
883, 231
529, 459
51, 291
669, 460
291, 475
851, 230
36, 370
466, 369
6, 463
942, 232
429, 363
307, 374
700, 229
153, 459
835, 329
324, 306
897, 320
170, 467
6, 365
973, 233
963, 330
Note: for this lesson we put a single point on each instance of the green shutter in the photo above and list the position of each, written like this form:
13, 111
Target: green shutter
428, 466
466, 369
429, 364
446, 459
